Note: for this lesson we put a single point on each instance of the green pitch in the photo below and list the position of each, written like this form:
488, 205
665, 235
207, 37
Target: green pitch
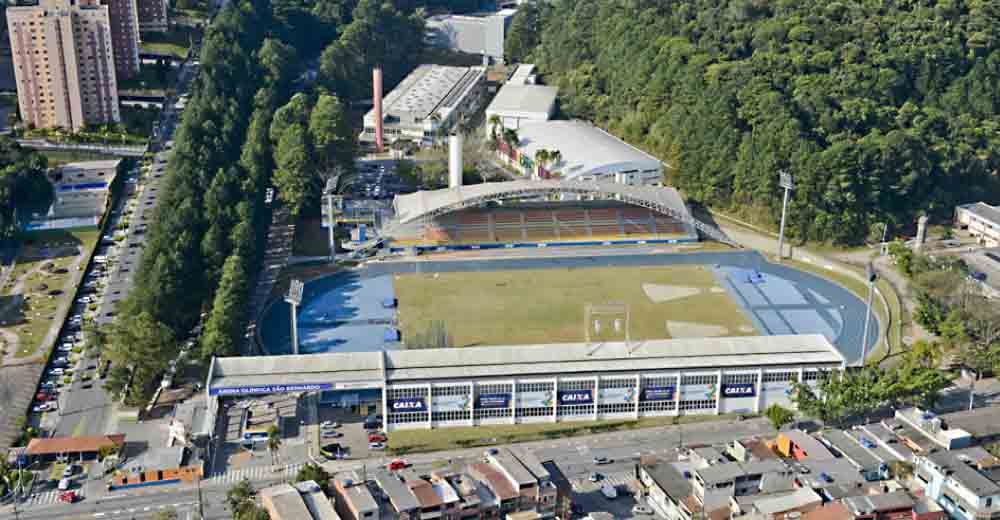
548, 305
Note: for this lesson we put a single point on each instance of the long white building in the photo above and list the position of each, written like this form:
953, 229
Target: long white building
542, 383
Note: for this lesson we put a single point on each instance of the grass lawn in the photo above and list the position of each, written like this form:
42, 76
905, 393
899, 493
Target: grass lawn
173, 43
152, 80
547, 305
59, 157
39, 308
416, 441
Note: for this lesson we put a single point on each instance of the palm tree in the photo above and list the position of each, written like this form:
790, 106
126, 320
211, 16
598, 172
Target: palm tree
273, 441
494, 123
542, 157
510, 137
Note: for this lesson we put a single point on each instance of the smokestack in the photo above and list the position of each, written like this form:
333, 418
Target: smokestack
455, 160
377, 99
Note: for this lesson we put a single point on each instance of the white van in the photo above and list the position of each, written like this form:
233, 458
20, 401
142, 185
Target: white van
64, 484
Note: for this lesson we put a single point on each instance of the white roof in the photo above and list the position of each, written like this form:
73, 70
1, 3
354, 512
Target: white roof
514, 100
429, 89
778, 504
412, 206
524, 360
585, 148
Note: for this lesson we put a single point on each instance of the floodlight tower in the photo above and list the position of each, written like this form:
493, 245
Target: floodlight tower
872, 276
785, 181
294, 298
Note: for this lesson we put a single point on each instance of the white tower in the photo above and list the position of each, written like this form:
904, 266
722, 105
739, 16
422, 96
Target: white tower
455, 160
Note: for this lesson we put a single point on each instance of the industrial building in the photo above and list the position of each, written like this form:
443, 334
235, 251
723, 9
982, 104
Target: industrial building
583, 153
64, 63
981, 220
471, 33
521, 102
541, 383
81, 196
425, 106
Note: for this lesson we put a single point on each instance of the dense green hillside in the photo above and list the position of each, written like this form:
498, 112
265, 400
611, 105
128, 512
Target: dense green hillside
881, 109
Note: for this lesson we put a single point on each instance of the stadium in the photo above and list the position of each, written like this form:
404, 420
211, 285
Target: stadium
642, 322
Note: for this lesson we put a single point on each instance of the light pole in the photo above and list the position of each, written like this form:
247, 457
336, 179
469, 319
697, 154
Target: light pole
294, 299
331, 190
872, 276
785, 181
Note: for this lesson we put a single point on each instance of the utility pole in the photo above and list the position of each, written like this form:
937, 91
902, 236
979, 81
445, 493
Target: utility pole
201, 503
294, 299
872, 276
785, 181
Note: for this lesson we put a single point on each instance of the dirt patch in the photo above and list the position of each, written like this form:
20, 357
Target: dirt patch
687, 329
658, 293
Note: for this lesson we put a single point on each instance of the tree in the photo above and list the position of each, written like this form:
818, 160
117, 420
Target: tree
522, 37
495, 123
240, 500
332, 136
140, 346
317, 474
779, 416
166, 514
226, 322
295, 177
273, 441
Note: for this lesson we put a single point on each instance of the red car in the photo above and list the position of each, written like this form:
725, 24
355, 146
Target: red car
69, 497
397, 464
43, 396
377, 437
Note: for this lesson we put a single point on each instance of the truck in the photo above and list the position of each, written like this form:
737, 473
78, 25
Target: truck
609, 491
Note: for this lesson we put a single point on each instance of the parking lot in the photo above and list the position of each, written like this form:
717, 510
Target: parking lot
346, 429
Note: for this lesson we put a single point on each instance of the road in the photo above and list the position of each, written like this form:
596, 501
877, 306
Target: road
573, 455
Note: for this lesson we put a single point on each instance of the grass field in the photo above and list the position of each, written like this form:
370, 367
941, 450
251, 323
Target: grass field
548, 305
60, 157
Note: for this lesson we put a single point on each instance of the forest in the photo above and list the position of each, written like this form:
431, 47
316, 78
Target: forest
881, 110
23, 183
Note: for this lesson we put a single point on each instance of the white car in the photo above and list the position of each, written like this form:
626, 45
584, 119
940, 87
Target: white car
329, 424
376, 446
56, 372
39, 408
641, 510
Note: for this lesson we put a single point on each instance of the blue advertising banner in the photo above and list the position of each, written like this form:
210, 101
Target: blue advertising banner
493, 401
658, 393
269, 389
407, 404
569, 397
739, 390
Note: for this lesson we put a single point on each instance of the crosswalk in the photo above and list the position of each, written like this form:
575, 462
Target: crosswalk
46, 497
617, 479
256, 473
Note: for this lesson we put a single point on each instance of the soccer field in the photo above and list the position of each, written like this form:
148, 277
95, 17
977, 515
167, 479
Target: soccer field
548, 305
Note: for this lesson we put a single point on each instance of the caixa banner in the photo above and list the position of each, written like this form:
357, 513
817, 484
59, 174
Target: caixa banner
570, 397
739, 390
408, 404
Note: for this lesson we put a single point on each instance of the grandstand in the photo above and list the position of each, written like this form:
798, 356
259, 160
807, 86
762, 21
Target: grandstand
543, 222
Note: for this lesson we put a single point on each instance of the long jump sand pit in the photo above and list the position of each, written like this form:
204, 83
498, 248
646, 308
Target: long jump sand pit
547, 305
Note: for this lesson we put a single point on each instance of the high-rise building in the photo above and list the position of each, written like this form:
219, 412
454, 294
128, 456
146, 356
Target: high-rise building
153, 15
125, 36
64, 63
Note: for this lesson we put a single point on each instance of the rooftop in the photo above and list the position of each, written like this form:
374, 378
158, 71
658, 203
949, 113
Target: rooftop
964, 474
984, 211
399, 494
851, 450
427, 90
513, 98
671, 481
285, 502
495, 480
719, 473
884, 502
813, 448
357, 493
60, 445
510, 466
801, 497
830, 472
585, 148
234, 375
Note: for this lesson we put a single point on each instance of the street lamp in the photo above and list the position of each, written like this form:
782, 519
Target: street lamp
872, 276
785, 181
294, 298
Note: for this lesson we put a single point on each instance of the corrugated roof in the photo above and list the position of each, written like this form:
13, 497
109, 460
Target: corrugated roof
495, 480
514, 99
984, 211
399, 494
807, 443
585, 148
60, 445
525, 360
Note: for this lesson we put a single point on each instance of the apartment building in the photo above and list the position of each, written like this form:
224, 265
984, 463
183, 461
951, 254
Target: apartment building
153, 15
124, 17
959, 485
64, 63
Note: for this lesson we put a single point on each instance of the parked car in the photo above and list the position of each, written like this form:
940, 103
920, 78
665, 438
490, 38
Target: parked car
641, 510
332, 451
56, 372
43, 396
64, 484
397, 464
377, 437
595, 477
600, 461
376, 446
329, 424
69, 470
39, 408
331, 434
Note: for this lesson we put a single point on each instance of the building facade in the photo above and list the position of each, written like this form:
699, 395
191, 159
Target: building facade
124, 17
153, 15
957, 486
64, 63
982, 221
